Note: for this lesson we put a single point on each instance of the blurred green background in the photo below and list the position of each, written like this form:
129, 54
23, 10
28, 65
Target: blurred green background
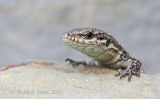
32, 29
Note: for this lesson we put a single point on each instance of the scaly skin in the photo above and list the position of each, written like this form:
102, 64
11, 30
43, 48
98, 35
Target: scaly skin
103, 48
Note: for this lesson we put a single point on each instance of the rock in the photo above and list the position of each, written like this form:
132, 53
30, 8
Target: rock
44, 79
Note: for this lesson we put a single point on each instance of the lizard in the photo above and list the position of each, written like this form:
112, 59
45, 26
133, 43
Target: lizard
104, 49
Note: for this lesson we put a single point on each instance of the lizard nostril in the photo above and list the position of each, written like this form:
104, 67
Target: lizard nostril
68, 34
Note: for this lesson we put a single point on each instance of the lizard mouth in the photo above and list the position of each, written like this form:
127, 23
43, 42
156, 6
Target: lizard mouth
72, 38
77, 39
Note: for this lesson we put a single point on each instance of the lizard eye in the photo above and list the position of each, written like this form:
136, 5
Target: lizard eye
89, 35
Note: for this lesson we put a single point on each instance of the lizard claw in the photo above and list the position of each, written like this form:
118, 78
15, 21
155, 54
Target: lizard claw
129, 72
134, 69
76, 63
70, 60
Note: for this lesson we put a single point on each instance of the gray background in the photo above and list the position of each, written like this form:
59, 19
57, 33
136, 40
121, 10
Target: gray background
32, 29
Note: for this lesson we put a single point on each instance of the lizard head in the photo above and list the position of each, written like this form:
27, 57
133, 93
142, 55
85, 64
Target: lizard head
86, 37
89, 41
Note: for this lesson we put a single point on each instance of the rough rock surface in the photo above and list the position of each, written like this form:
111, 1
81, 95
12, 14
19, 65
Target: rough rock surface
48, 80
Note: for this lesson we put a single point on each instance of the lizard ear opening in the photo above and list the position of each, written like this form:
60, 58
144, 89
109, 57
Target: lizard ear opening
108, 42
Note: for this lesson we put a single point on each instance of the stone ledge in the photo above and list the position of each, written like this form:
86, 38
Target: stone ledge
44, 79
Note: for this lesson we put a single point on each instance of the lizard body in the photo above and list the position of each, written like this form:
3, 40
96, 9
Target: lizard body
103, 48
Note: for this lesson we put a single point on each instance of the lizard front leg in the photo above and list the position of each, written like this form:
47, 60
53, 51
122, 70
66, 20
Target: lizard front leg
132, 69
77, 63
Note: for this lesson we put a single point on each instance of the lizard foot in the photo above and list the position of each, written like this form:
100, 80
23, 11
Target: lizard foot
134, 69
76, 63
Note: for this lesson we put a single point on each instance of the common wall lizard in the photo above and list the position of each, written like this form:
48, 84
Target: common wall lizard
103, 48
